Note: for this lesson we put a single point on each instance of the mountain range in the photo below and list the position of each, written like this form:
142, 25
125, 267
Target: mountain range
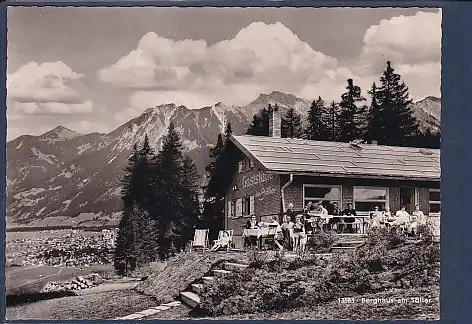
63, 178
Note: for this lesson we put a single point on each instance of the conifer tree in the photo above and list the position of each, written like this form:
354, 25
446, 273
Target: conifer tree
349, 113
331, 121
176, 194
398, 121
125, 254
316, 129
291, 125
214, 203
375, 127
260, 123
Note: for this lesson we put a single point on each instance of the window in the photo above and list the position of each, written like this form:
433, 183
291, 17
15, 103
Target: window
246, 164
242, 207
247, 206
366, 198
324, 193
434, 202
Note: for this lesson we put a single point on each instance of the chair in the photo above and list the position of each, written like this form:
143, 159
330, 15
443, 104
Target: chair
200, 239
271, 235
220, 235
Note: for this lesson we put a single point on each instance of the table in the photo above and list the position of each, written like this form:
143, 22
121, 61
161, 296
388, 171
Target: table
362, 218
259, 233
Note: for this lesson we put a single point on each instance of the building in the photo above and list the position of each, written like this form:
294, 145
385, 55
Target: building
273, 172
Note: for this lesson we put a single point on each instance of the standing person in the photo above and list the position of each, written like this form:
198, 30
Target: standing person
287, 231
298, 230
290, 212
416, 218
349, 221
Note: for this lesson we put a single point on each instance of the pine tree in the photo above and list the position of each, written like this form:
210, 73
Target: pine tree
125, 254
176, 191
349, 114
228, 130
291, 125
316, 129
375, 127
214, 203
398, 121
331, 121
260, 123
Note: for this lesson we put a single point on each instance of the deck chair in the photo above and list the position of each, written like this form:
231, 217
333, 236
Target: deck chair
200, 239
220, 234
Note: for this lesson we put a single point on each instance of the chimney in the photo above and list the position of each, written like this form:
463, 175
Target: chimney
374, 142
274, 122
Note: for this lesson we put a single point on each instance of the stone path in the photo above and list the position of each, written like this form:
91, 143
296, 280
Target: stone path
150, 311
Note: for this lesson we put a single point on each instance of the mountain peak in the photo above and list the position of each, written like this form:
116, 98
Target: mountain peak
62, 131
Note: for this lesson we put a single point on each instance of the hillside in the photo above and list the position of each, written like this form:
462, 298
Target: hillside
65, 178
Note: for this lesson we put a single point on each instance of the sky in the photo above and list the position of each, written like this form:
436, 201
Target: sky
93, 69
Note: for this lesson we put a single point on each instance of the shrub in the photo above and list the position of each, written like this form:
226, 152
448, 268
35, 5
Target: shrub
321, 242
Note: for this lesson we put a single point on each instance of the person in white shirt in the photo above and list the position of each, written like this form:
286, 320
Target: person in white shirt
278, 236
416, 218
402, 218
376, 218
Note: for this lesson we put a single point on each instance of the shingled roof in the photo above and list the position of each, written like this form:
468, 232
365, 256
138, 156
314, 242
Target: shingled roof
297, 156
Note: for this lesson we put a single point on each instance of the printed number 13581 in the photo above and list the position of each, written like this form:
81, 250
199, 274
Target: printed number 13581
346, 300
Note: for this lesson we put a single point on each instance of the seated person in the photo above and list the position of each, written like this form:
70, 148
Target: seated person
376, 218
279, 235
336, 211
402, 218
251, 224
222, 243
349, 221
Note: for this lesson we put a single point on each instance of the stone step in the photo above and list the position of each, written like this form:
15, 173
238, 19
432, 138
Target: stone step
220, 272
231, 266
350, 243
190, 299
342, 249
197, 288
207, 280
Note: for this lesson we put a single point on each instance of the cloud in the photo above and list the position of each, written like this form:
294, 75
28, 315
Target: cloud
264, 57
52, 108
46, 88
261, 57
410, 40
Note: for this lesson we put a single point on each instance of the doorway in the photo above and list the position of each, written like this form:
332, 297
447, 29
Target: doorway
407, 198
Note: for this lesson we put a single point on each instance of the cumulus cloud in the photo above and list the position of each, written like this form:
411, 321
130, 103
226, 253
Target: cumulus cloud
261, 57
45, 88
264, 57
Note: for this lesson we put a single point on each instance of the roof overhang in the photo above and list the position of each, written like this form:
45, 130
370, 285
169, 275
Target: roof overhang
351, 176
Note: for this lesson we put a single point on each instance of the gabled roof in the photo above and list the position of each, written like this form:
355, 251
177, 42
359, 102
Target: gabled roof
286, 155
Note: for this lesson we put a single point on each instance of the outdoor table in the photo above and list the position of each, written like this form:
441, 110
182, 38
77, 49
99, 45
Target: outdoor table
259, 233
362, 218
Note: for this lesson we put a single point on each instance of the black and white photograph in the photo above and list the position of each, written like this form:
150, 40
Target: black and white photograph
223, 163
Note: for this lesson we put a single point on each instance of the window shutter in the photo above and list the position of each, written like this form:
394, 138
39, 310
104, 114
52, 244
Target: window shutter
240, 165
230, 209
239, 206
251, 205
251, 165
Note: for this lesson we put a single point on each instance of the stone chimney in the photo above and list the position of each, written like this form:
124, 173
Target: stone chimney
274, 122
374, 142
